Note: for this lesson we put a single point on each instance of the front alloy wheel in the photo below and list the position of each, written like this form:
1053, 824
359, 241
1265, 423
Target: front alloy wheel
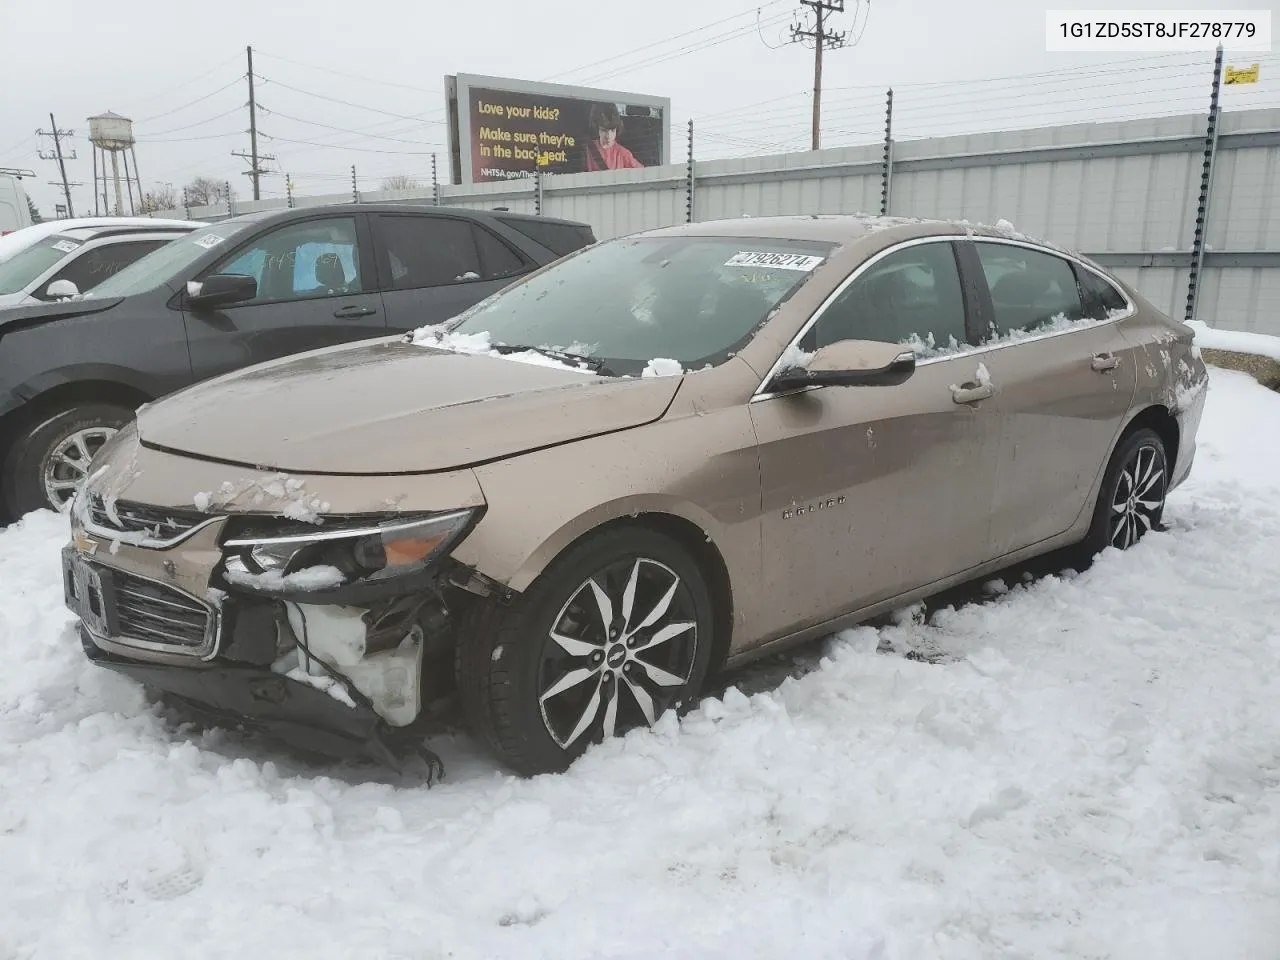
622, 646
617, 631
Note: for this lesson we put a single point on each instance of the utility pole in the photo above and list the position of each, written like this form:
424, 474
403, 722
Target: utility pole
255, 170
821, 38
58, 155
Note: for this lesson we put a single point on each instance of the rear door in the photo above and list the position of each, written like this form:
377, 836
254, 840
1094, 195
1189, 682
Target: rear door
431, 267
316, 288
1066, 379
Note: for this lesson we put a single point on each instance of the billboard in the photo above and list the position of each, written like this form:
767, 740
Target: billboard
501, 129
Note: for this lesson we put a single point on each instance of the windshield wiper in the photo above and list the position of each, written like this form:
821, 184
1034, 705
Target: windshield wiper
595, 363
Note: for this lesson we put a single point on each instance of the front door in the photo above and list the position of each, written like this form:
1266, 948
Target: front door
315, 289
869, 492
431, 267
1067, 378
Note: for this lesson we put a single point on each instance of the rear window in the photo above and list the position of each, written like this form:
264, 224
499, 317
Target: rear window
560, 238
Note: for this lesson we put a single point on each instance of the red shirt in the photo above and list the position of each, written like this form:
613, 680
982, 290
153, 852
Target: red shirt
616, 157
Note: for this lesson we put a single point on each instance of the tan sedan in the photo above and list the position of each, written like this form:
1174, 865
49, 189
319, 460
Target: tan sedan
665, 454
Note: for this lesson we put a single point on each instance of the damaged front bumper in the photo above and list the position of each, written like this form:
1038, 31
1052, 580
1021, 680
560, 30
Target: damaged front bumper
298, 713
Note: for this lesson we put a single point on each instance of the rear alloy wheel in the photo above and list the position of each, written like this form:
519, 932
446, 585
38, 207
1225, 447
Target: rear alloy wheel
609, 638
1132, 497
1138, 500
46, 467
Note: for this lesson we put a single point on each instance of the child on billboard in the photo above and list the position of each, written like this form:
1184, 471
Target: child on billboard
604, 152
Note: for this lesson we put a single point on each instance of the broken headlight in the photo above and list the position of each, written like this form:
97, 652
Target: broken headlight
261, 556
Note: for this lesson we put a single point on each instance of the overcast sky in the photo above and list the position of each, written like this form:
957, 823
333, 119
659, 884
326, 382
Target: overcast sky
955, 68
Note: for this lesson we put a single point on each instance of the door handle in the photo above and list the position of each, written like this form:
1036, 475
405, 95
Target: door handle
1102, 362
348, 313
974, 393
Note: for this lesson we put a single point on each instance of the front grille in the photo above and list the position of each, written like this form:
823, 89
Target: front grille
155, 523
159, 615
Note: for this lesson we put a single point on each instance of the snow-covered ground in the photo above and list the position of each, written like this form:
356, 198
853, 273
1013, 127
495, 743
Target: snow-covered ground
1093, 771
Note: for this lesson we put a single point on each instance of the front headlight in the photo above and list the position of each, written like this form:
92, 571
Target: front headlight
259, 555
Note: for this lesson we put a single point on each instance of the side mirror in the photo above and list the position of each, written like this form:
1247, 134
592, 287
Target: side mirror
221, 288
846, 363
61, 290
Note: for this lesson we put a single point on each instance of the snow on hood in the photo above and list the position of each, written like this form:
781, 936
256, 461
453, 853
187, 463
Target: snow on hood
481, 344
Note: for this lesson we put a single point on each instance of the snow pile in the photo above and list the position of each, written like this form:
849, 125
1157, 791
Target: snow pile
481, 344
662, 367
1236, 341
1084, 766
311, 578
280, 494
793, 358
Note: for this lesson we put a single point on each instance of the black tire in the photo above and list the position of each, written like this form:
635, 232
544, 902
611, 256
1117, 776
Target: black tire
506, 657
1119, 518
24, 467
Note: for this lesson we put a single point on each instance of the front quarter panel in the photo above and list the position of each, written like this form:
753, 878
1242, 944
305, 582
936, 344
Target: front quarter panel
700, 464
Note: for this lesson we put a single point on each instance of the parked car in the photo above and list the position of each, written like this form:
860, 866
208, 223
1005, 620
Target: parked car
768, 430
75, 260
231, 294
14, 212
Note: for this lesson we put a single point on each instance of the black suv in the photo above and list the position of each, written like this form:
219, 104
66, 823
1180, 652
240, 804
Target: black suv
230, 294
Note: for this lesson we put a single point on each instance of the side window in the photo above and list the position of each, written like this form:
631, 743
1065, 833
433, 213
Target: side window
1029, 289
912, 297
497, 260
429, 251
91, 268
1100, 297
315, 258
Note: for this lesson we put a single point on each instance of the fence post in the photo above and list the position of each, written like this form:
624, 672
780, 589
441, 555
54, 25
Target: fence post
186, 202
886, 165
435, 182
690, 179
355, 189
1206, 187
231, 204
537, 192
288, 189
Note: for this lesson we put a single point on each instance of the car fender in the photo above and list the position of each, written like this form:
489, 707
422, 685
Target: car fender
706, 474
113, 374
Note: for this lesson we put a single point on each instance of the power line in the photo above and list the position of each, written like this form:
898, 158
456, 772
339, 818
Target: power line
348, 103
192, 103
657, 43
822, 38
327, 126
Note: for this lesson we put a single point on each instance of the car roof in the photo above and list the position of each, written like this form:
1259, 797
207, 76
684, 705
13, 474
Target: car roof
834, 227
135, 229
426, 207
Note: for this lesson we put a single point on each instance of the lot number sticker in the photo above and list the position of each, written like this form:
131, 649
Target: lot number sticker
66, 246
208, 241
780, 261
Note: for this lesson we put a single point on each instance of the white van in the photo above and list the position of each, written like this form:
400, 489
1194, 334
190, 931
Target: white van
14, 212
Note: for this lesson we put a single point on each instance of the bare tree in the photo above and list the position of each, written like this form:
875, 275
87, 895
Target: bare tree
400, 181
207, 192
162, 197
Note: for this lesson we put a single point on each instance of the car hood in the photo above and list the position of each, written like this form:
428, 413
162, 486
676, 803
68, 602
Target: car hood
394, 407
35, 314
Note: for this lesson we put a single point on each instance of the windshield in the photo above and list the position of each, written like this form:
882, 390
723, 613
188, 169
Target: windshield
694, 300
159, 266
23, 269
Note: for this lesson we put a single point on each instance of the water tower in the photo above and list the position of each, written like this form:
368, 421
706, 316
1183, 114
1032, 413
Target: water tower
112, 134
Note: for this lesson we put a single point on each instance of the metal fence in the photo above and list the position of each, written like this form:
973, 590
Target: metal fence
1187, 208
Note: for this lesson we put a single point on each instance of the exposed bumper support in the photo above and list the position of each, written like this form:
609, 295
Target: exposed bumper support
255, 696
